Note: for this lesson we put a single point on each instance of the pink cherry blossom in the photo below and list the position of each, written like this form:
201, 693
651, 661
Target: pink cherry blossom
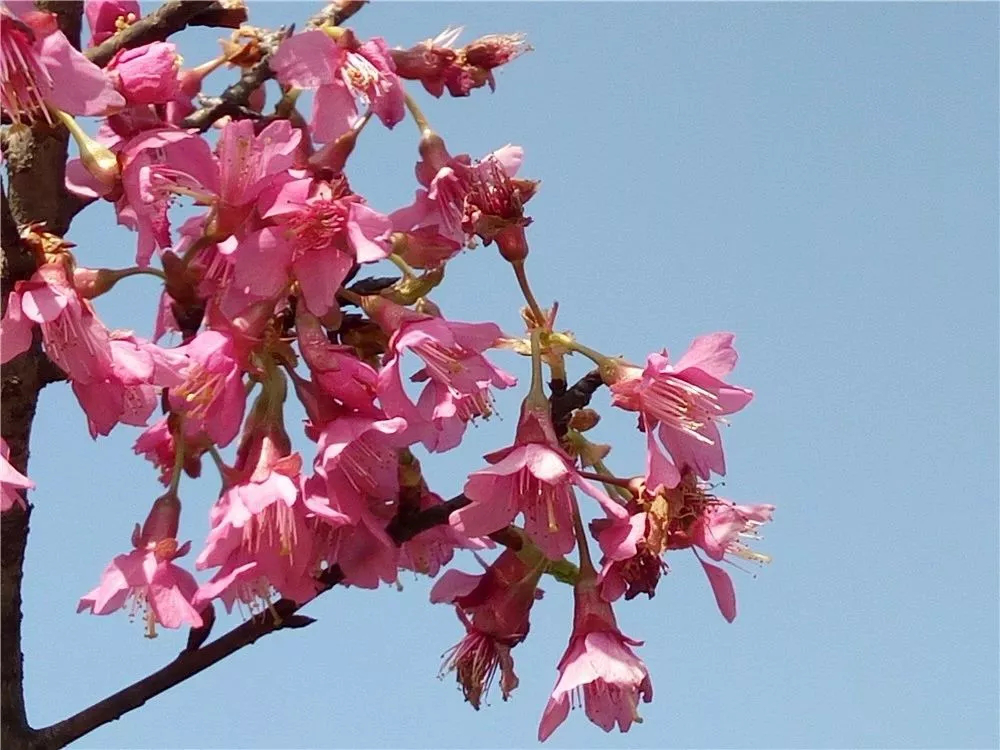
148, 576
336, 369
494, 607
682, 405
340, 76
146, 74
599, 670
323, 231
39, 68
458, 376
130, 393
631, 562
211, 398
437, 65
11, 481
534, 477
352, 495
259, 538
107, 17
434, 548
719, 530
447, 181
72, 335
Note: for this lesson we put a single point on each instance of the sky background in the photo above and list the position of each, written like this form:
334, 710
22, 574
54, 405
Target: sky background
819, 179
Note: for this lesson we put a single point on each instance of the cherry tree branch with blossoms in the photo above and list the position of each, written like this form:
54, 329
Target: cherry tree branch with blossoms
269, 293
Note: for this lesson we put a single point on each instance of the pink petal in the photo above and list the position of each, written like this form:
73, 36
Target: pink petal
722, 587
320, 274
79, 86
307, 60
15, 330
712, 353
334, 111
452, 585
556, 711
368, 232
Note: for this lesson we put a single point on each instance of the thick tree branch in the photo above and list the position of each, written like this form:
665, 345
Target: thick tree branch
280, 616
169, 18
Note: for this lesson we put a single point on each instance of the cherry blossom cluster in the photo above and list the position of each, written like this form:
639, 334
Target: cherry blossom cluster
269, 291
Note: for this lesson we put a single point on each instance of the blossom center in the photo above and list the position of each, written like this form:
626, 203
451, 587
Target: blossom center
681, 405
318, 226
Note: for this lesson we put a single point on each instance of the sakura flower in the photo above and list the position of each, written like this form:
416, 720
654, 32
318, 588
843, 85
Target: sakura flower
682, 405
11, 481
323, 231
448, 182
107, 17
336, 369
352, 495
631, 564
211, 398
158, 445
534, 477
148, 576
40, 69
259, 538
599, 669
72, 335
434, 548
130, 393
458, 375
341, 75
437, 65
494, 608
146, 74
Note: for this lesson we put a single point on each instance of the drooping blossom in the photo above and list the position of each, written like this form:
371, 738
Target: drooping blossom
682, 517
39, 69
148, 577
130, 393
341, 74
441, 204
458, 376
322, 230
11, 481
211, 398
599, 669
335, 368
158, 445
434, 548
534, 476
72, 335
631, 562
107, 17
259, 538
353, 496
494, 608
681, 406
438, 65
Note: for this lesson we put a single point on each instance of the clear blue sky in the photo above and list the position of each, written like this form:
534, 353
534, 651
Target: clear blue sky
821, 180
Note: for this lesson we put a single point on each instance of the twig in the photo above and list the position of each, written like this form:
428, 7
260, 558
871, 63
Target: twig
234, 99
337, 12
169, 18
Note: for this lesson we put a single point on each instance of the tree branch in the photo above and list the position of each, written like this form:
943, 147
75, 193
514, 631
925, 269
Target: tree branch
280, 616
233, 101
169, 18
564, 402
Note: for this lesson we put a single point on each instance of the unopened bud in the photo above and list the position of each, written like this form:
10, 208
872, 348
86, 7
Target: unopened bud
93, 282
161, 523
584, 419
